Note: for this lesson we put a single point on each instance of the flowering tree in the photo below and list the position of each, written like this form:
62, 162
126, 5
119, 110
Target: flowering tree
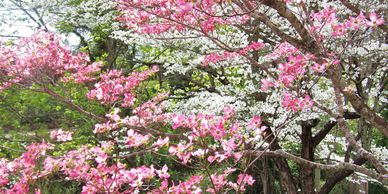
306, 48
293, 73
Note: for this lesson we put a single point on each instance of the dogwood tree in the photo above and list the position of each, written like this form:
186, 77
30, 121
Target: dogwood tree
303, 51
298, 83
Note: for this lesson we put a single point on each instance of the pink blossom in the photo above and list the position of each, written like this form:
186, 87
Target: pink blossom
182, 15
104, 127
219, 182
163, 172
38, 191
161, 142
243, 180
374, 20
251, 47
266, 84
319, 68
211, 58
114, 87
218, 157
255, 122
189, 186
282, 49
228, 112
101, 156
42, 57
356, 22
296, 104
51, 164
218, 130
339, 30
177, 121
135, 139
181, 151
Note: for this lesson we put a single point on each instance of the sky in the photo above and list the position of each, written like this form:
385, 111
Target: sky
15, 23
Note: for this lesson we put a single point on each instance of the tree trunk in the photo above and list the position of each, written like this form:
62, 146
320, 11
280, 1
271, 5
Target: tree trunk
286, 177
266, 177
317, 179
307, 173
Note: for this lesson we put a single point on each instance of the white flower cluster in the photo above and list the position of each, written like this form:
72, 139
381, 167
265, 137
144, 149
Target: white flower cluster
205, 102
95, 13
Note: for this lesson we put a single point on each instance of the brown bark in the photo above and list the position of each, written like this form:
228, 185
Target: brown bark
281, 8
338, 89
286, 177
341, 166
365, 112
337, 177
321, 134
266, 177
317, 179
307, 172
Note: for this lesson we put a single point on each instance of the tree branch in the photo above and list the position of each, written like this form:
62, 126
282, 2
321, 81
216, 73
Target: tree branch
335, 167
339, 176
321, 134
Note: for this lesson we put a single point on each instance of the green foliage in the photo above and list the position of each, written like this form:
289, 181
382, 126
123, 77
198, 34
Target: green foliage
377, 188
341, 187
54, 184
27, 116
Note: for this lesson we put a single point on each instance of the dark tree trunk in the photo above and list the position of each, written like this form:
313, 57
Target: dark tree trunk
307, 173
286, 177
266, 177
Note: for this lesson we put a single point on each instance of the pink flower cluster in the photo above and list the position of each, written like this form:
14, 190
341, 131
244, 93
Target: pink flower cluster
220, 129
243, 179
203, 125
40, 59
158, 16
251, 47
281, 50
294, 67
100, 169
93, 167
114, 87
256, 125
328, 16
135, 139
222, 184
189, 186
101, 177
215, 57
75, 165
151, 111
297, 104
22, 170
4, 172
